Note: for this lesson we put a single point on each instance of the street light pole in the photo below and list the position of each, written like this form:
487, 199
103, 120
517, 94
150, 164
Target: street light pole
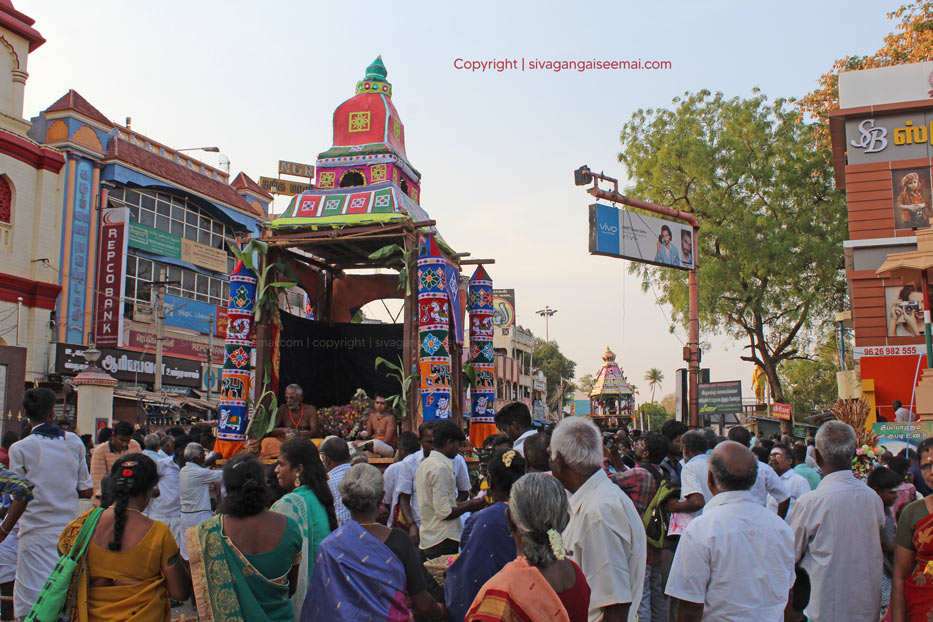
546, 313
582, 177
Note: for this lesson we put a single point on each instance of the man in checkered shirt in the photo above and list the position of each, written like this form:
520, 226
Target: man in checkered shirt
641, 484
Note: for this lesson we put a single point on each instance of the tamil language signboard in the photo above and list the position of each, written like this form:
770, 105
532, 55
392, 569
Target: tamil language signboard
286, 187
720, 398
896, 436
630, 235
129, 366
780, 411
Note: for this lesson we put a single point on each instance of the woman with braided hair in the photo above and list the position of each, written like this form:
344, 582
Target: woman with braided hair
541, 584
486, 544
132, 563
245, 561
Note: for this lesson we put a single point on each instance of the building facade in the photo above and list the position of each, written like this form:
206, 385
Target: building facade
882, 138
515, 375
137, 214
30, 222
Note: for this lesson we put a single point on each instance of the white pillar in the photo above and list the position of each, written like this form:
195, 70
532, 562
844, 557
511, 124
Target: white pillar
95, 400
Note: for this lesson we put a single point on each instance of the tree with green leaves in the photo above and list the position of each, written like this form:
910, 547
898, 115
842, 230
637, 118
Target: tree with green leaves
669, 402
654, 377
810, 384
585, 383
654, 416
760, 184
558, 371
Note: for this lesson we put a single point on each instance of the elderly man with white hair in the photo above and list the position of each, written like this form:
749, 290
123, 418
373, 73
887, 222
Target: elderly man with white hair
195, 484
166, 506
837, 534
605, 535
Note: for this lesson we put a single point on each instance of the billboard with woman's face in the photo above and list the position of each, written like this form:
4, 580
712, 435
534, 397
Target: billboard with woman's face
913, 198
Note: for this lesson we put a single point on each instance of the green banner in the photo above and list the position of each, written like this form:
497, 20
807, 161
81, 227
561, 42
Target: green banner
155, 241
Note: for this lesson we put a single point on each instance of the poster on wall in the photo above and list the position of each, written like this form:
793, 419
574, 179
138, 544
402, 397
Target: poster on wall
913, 198
904, 305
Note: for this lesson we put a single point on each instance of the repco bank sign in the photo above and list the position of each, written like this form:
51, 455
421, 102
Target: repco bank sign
889, 138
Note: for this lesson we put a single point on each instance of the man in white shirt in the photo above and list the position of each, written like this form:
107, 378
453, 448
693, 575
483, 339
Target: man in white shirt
54, 462
194, 482
836, 534
901, 414
735, 548
768, 482
514, 420
694, 489
782, 462
166, 507
406, 486
605, 535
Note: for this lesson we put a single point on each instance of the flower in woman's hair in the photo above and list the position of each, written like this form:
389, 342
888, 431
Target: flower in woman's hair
557, 545
127, 472
928, 569
507, 458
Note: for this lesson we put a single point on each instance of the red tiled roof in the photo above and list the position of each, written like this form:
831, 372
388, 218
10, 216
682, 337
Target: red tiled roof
243, 181
138, 157
72, 100
21, 24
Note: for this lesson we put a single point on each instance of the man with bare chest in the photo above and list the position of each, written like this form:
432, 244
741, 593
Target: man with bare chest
296, 418
381, 429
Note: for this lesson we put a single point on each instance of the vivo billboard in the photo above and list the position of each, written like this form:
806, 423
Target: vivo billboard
622, 233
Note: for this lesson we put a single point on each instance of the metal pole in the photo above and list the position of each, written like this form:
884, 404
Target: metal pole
692, 354
925, 282
160, 331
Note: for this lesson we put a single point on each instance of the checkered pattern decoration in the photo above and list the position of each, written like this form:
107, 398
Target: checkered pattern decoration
433, 333
238, 346
479, 303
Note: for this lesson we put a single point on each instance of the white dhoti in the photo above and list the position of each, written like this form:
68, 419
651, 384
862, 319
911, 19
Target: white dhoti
8, 556
379, 447
187, 521
36, 557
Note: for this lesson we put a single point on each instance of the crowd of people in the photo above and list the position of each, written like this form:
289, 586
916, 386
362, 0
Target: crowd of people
575, 525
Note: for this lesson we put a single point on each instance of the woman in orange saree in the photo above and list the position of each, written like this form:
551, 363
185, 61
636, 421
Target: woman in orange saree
912, 584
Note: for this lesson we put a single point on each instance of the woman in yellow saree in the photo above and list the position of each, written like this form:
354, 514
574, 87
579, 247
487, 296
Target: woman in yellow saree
245, 562
132, 563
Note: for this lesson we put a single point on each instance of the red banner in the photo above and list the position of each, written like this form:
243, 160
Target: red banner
781, 411
175, 346
111, 270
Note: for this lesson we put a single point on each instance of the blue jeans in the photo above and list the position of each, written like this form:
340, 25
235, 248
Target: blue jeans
653, 605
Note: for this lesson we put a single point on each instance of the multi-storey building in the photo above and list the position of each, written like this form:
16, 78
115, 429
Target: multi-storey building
30, 222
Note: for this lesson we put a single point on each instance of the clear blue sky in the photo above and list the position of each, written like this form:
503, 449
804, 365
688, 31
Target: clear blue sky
496, 150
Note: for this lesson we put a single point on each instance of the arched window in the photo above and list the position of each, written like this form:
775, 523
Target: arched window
352, 178
6, 202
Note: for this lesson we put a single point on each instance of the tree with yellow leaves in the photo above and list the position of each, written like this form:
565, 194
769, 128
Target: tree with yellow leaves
911, 42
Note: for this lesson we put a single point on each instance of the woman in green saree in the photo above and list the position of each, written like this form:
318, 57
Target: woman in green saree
309, 503
244, 562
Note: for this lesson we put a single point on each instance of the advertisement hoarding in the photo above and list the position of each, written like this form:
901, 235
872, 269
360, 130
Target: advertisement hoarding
623, 233
129, 366
503, 308
780, 411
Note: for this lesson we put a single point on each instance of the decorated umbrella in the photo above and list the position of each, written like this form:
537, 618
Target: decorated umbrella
479, 302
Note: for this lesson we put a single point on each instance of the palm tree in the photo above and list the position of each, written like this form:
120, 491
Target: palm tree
655, 377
